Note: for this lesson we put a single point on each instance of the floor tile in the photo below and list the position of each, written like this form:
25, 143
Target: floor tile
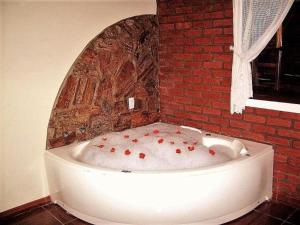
276, 209
78, 222
38, 216
264, 219
246, 219
59, 213
295, 217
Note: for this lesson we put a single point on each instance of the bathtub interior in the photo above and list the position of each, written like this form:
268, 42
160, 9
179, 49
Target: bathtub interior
159, 146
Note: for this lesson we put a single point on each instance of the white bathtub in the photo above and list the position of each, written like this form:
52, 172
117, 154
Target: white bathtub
208, 195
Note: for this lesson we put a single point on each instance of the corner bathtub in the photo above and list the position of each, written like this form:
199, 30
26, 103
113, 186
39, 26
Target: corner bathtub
208, 195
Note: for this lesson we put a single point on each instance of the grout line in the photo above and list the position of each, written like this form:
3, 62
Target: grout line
292, 213
53, 216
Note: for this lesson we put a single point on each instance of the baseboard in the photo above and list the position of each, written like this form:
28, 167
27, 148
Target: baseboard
22, 208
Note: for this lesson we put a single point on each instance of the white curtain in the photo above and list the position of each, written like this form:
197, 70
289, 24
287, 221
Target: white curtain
254, 24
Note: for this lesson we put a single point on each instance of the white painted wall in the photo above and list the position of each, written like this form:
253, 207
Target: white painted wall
1, 122
41, 40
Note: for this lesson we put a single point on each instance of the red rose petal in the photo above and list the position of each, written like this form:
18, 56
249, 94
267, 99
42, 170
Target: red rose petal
172, 142
155, 131
178, 132
147, 134
178, 151
135, 140
185, 142
160, 141
127, 152
112, 150
191, 148
212, 152
100, 146
142, 155
104, 139
126, 136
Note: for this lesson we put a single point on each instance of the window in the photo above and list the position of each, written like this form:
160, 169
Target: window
276, 71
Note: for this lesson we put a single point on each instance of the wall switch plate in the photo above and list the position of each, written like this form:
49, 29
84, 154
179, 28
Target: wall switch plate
131, 103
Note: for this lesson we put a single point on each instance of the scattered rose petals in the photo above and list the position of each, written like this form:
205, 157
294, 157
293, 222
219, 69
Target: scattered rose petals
127, 152
178, 132
104, 139
195, 143
172, 142
147, 134
142, 155
156, 131
178, 151
135, 140
112, 149
126, 136
191, 148
185, 142
160, 141
212, 152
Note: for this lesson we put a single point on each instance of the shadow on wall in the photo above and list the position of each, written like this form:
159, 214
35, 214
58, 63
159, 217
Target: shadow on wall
121, 62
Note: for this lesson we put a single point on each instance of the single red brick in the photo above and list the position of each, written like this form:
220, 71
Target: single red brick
198, 117
277, 140
211, 127
192, 49
213, 48
203, 41
211, 111
254, 118
228, 30
223, 23
221, 73
297, 125
164, 27
296, 144
218, 120
183, 56
183, 10
289, 133
240, 124
267, 112
223, 40
253, 136
224, 58
231, 131
291, 152
203, 57
213, 65
278, 122
263, 129
183, 25
289, 115
214, 15
213, 31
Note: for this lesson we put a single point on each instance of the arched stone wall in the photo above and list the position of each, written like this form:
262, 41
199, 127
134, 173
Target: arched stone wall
121, 62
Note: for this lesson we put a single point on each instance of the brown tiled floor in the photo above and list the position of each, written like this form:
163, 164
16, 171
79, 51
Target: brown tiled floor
270, 213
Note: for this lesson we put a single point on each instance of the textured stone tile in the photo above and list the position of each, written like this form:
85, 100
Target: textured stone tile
276, 210
38, 216
59, 213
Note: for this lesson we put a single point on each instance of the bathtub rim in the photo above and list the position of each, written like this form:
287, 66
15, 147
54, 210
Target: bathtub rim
66, 155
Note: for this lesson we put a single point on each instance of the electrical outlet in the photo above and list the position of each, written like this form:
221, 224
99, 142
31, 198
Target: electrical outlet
131, 103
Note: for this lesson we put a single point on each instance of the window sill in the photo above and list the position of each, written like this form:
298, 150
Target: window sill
279, 106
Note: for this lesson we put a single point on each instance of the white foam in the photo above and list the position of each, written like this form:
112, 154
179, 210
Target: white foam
158, 156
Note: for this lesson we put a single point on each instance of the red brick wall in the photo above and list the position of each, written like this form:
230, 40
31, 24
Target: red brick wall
121, 62
195, 78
